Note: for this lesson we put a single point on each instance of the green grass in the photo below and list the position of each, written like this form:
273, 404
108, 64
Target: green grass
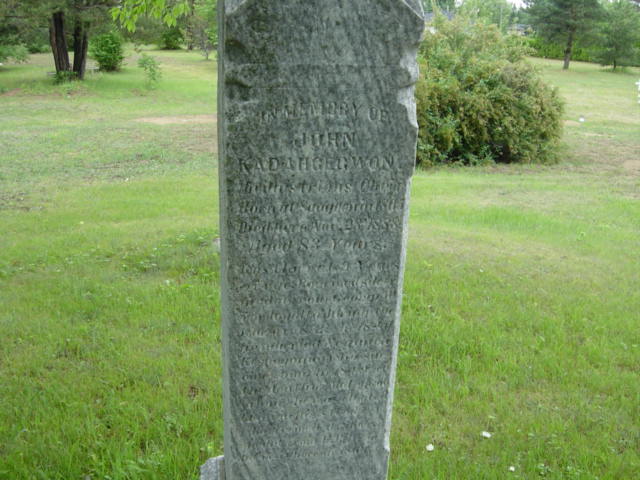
521, 309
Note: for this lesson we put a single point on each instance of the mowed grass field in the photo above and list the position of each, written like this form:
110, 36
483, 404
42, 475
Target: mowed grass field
521, 309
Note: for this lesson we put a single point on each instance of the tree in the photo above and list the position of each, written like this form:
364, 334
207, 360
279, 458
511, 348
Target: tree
82, 15
202, 31
67, 20
564, 20
9, 41
15, 33
620, 34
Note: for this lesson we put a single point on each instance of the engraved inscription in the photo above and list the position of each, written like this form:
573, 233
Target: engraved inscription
318, 134
336, 140
309, 109
321, 163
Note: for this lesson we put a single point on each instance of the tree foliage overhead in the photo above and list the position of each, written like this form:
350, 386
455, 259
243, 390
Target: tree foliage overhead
162, 22
480, 101
564, 20
128, 12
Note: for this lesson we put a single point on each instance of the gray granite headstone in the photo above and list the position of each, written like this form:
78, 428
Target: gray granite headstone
317, 137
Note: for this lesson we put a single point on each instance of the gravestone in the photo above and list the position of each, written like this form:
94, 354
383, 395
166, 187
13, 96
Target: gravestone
317, 132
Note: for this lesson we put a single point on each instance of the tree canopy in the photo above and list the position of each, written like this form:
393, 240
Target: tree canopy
564, 20
129, 11
620, 34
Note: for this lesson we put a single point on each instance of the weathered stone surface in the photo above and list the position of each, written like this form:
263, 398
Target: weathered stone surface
213, 469
317, 145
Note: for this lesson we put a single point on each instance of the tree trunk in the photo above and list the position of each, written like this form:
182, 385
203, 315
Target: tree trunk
80, 45
615, 64
190, 32
568, 50
59, 43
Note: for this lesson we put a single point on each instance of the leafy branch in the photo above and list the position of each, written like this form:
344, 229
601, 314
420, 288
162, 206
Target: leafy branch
129, 11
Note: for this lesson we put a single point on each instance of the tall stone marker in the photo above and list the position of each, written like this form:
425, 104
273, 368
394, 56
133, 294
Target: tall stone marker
317, 137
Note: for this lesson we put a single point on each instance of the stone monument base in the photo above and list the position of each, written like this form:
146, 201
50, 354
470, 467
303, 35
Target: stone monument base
213, 469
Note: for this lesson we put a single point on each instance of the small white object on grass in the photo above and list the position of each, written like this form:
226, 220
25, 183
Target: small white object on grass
486, 434
582, 119
430, 447
512, 468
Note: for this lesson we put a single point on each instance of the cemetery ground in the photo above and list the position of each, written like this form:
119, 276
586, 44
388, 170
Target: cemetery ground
521, 312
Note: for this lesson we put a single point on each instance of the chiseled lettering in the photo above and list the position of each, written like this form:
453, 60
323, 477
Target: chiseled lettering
320, 163
326, 139
310, 109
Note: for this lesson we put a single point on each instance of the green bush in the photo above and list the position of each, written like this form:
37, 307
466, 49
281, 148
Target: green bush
39, 48
172, 39
544, 49
107, 50
480, 101
64, 76
18, 53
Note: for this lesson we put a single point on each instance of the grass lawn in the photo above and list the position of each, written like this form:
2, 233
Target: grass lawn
521, 309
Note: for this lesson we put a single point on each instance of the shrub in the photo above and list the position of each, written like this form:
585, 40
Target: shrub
38, 48
18, 53
151, 68
107, 50
172, 38
479, 100
64, 76
545, 49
